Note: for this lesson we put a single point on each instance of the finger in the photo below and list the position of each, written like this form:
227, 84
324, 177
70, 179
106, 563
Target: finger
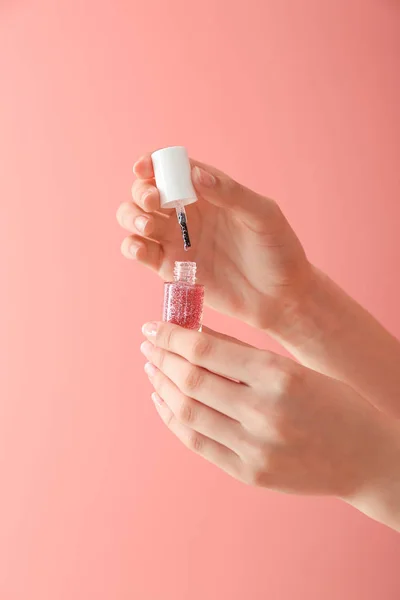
223, 336
259, 212
143, 167
207, 350
194, 414
145, 251
223, 395
146, 195
212, 451
220, 189
132, 218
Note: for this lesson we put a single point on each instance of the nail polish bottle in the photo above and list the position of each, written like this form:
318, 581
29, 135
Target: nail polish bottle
183, 297
172, 173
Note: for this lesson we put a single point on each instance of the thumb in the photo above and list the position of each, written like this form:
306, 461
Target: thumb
222, 191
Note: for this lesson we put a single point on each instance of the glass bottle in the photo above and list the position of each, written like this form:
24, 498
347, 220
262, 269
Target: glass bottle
183, 297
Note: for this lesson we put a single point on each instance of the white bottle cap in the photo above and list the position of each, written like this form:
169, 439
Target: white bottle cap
173, 177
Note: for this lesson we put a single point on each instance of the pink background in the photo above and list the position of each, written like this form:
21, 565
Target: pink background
298, 99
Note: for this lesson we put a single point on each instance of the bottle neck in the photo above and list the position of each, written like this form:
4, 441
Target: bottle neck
185, 272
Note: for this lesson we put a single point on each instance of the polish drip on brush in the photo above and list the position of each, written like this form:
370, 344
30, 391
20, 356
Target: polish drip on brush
172, 172
182, 220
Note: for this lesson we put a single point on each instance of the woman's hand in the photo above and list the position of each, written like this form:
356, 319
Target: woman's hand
270, 422
250, 260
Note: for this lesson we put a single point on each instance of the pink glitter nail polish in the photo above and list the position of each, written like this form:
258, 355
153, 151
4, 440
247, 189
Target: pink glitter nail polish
183, 297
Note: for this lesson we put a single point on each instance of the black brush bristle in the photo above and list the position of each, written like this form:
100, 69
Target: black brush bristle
184, 228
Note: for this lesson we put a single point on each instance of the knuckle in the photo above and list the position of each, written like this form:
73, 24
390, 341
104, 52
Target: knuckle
158, 357
193, 380
186, 413
137, 184
259, 472
140, 190
201, 348
255, 417
169, 419
283, 384
253, 477
263, 422
257, 455
158, 382
169, 337
165, 336
195, 442
231, 185
258, 477
288, 381
264, 460
263, 365
269, 360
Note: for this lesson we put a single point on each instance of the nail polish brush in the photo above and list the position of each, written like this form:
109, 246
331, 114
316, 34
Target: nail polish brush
174, 182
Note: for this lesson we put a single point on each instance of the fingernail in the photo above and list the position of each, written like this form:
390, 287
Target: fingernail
141, 223
203, 177
133, 249
150, 370
128, 223
149, 329
145, 167
146, 348
147, 194
156, 399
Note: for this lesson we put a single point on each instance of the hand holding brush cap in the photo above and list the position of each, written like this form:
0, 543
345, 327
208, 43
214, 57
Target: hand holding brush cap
236, 234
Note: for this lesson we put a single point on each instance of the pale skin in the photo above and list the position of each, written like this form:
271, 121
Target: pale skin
329, 425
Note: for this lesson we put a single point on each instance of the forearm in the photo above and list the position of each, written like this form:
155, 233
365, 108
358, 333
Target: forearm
381, 504
331, 333
379, 497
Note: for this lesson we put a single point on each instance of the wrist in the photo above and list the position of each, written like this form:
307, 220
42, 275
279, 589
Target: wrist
379, 494
317, 312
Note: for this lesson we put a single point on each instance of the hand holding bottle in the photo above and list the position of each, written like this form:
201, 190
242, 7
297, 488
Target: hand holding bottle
252, 264
263, 418
274, 423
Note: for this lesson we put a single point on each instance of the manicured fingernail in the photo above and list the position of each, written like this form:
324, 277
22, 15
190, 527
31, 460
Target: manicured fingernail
149, 329
146, 348
156, 399
133, 249
150, 370
141, 223
202, 177
128, 223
